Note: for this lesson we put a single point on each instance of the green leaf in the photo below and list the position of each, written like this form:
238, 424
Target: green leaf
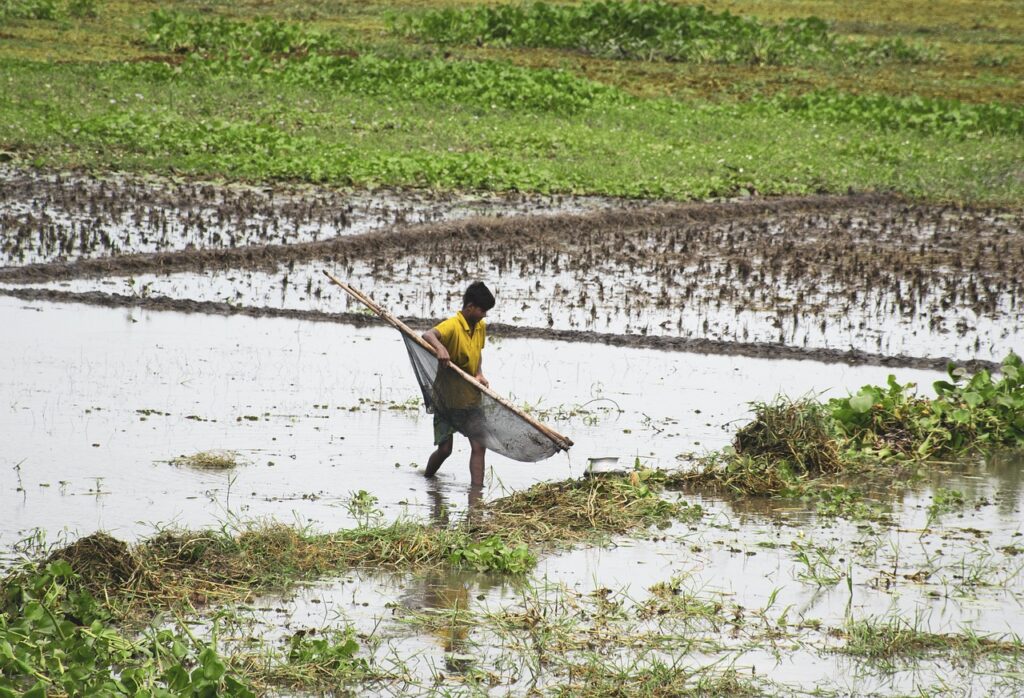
973, 399
862, 402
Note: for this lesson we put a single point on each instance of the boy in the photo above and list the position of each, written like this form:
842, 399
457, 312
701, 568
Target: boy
460, 340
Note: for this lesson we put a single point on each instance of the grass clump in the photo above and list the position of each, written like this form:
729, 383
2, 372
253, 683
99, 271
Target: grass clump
653, 677
792, 447
650, 31
187, 569
209, 460
899, 638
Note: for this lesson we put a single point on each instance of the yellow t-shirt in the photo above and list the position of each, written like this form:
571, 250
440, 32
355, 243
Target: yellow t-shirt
464, 346
465, 349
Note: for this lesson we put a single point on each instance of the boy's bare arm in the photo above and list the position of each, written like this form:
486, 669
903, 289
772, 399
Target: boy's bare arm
480, 374
433, 338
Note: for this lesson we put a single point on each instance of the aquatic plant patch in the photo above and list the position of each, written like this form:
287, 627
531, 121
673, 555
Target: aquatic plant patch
651, 31
57, 639
792, 446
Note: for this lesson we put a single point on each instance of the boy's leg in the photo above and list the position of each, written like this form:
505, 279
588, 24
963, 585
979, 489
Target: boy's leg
444, 449
476, 462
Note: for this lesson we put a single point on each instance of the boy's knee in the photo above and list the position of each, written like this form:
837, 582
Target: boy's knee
445, 448
477, 446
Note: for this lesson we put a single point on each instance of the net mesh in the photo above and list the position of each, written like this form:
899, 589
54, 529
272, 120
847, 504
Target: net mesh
475, 414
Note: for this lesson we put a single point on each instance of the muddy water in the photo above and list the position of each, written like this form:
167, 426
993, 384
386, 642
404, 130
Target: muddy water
99, 400
68, 216
873, 324
777, 623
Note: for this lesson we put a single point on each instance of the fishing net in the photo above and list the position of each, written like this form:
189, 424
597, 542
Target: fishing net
474, 413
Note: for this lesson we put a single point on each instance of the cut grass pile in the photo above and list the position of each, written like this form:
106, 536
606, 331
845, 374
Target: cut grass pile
793, 447
578, 510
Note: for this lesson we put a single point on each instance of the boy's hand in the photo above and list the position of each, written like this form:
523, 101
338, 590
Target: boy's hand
482, 381
443, 357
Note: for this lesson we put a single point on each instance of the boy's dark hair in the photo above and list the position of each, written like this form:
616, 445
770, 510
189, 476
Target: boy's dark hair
479, 295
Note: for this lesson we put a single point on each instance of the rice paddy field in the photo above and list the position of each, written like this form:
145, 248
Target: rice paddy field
762, 257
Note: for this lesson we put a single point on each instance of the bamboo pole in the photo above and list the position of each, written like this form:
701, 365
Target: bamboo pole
562, 442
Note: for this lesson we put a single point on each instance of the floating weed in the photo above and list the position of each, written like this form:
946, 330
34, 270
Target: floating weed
848, 503
322, 658
57, 639
944, 501
818, 567
494, 554
209, 460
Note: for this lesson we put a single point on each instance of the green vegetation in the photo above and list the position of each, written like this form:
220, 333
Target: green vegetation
952, 118
193, 568
793, 446
57, 639
334, 101
46, 9
493, 554
651, 31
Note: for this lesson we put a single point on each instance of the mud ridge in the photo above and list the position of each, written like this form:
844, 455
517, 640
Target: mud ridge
756, 350
399, 239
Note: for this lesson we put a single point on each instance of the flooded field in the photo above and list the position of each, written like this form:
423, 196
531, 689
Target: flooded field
274, 415
870, 277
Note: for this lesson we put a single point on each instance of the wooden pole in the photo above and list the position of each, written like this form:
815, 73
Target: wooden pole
562, 442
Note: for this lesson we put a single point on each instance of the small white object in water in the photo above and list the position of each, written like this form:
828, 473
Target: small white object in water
602, 464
